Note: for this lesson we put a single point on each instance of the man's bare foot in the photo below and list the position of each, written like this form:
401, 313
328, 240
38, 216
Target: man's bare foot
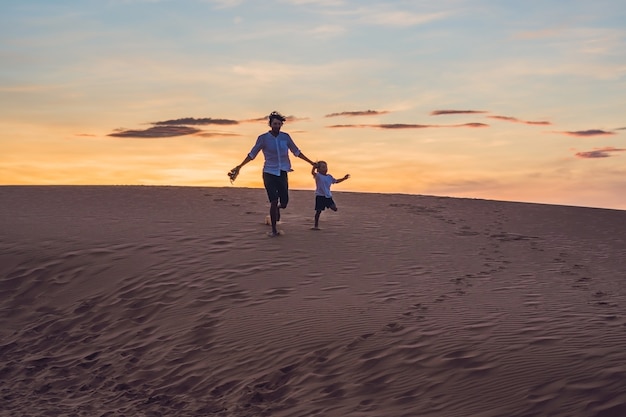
315, 228
275, 234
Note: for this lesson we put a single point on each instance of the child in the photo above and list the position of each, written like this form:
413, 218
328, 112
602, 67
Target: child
323, 196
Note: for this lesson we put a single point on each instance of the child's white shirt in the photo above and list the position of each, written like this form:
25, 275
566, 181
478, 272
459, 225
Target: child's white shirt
323, 183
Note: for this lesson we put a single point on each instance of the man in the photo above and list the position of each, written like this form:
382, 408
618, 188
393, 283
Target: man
275, 146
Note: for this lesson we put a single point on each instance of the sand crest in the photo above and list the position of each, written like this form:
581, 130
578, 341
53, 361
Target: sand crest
172, 301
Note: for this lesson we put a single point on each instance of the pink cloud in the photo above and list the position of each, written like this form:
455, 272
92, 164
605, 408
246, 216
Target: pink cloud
358, 113
408, 126
599, 153
384, 126
516, 120
193, 121
587, 133
264, 119
156, 132
442, 112
402, 126
471, 125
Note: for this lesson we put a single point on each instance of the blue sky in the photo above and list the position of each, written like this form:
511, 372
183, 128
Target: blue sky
506, 100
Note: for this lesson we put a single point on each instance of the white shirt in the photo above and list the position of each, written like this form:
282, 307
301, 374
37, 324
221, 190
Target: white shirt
323, 183
276, 152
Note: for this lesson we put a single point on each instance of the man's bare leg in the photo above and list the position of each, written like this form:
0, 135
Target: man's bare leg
274, 216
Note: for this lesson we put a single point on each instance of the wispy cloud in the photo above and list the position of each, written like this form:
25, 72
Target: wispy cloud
265, 119
380, 126
379, 15
224, 4
175, 127
407, 126
401, 126
156, 132
471, 125
316, 2
190, 121
442, 112
588, 40
358, 113
399, 18
599, 153
541, 33
26, 88
516, 120
327, 31
587, 133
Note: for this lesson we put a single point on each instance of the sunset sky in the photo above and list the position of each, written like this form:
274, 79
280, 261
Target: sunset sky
493, 99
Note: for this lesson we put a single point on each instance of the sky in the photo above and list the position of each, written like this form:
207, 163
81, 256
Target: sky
490, 99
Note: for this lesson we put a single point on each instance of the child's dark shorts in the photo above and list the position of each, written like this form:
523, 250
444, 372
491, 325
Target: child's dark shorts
322, 202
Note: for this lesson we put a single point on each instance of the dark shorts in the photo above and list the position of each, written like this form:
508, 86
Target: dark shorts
322, 203
277, 187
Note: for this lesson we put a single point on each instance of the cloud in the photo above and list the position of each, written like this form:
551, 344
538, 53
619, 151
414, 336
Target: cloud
400, 18
358, 113
265, 119
326, 31
599, 153
224, 4
175, 127
442, 112
401, 126
621, 128
471, 125
587, 133
384, 126
589, 41
540, 34
516, 120
192, 121
381, 15
406, 126
497, 117
315, 2
156, 132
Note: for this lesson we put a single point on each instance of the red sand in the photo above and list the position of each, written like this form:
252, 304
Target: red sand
166, 301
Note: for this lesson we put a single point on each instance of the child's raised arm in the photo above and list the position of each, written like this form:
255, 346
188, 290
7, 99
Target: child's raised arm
345, 177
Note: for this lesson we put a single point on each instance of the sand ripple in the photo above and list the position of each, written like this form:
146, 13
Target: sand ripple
162, 301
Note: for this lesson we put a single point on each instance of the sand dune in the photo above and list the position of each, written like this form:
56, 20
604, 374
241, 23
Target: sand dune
167, 301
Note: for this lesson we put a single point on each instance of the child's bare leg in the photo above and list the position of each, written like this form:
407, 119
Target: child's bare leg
317, 219
333, 207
